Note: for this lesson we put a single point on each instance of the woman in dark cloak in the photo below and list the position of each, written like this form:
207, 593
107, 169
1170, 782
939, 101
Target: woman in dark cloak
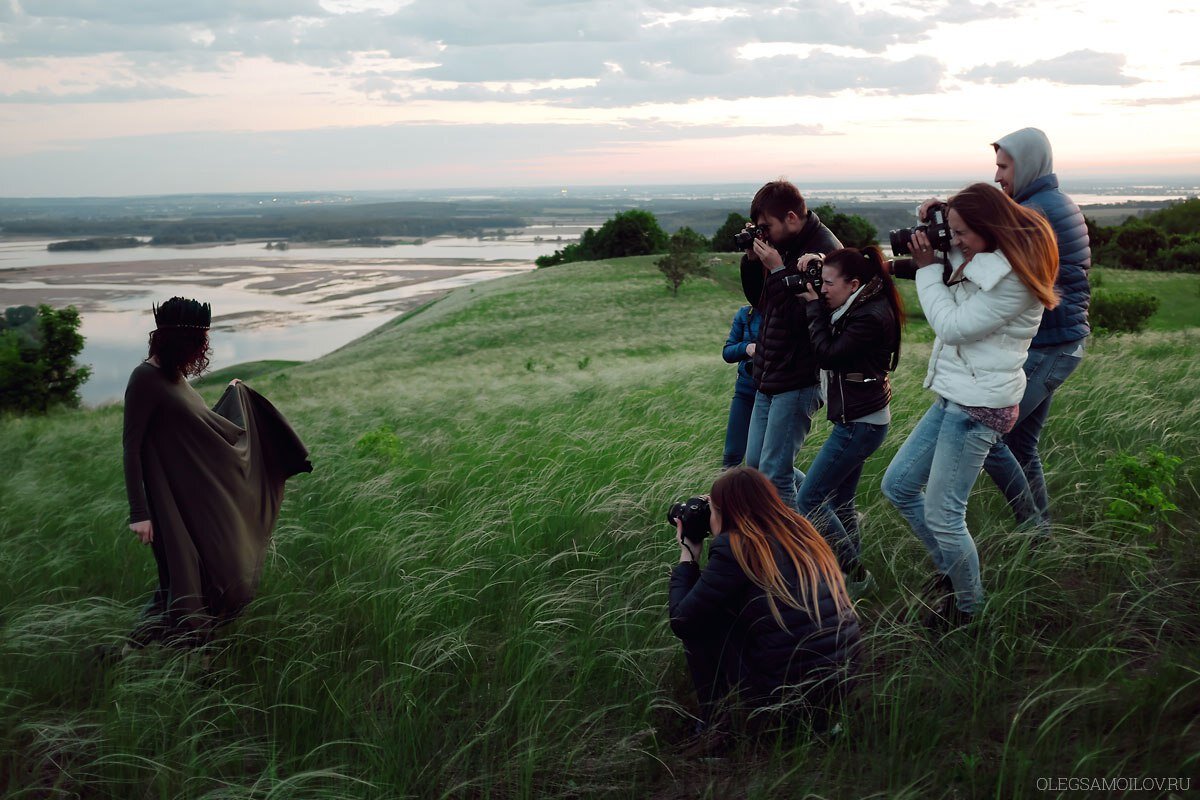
204, 485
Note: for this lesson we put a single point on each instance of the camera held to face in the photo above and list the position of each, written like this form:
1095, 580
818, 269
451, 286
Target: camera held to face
694, 514
744, 239
937, 228
809, 276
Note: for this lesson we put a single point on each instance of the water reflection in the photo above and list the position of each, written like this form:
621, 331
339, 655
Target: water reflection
296, 304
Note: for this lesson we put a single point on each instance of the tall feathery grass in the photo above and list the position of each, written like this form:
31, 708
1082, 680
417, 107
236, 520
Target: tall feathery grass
467, 597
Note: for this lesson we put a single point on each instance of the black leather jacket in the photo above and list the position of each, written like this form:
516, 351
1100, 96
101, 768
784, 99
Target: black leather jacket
859, 350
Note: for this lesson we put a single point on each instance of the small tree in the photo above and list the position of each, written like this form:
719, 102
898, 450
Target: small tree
682, 260
37, 359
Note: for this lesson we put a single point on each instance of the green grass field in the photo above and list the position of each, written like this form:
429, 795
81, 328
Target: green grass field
467, 598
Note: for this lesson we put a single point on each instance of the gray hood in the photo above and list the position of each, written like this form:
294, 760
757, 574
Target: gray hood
1032, 158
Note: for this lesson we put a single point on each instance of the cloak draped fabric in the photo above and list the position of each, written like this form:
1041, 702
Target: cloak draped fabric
211, 483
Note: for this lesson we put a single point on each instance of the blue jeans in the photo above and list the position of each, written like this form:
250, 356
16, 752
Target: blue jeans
929, 482
778, 427
1014, 463
738, 426
827, 494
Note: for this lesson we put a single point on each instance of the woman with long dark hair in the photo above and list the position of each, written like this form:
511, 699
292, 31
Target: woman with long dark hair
767, 618
855, 336
1002, 262
204, 485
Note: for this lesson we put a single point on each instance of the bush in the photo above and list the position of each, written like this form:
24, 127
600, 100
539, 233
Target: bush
1121, 311
722, 241
37, 359
850, 229
1143, 487
1184, 257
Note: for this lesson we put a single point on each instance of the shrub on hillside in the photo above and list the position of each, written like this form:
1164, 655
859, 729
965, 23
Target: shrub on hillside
1121, 311
37, 359
1184, 257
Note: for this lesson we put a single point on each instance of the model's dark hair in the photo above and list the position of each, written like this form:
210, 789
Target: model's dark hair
181, 352
866, 265
1023, 236
776, 199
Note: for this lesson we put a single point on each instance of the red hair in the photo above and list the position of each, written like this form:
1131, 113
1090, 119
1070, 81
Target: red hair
755, 519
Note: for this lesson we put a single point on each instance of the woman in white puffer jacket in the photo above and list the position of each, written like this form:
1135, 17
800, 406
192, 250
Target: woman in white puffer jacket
1003, 262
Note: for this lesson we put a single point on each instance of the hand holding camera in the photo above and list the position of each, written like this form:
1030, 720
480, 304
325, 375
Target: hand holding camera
934, 234
691, 519
808, 283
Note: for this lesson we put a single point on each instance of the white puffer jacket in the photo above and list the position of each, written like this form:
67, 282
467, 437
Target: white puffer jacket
984, 325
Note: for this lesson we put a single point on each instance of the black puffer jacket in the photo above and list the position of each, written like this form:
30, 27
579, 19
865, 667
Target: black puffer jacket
783, 360
817, 655
859, 350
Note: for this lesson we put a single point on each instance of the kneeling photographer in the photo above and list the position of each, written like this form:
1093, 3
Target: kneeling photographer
785, 372
767, 620
854, 327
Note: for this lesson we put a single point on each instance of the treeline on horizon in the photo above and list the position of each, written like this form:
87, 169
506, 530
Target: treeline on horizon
1165, 240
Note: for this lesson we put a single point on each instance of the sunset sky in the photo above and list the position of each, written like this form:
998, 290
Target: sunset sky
123, 97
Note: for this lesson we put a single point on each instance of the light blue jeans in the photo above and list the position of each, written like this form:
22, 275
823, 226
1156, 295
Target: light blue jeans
1014, 463
929, 482
779, 425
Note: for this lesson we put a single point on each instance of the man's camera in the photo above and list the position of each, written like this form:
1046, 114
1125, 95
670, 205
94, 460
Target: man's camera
809, 276
744, 239
937, 228
693, 513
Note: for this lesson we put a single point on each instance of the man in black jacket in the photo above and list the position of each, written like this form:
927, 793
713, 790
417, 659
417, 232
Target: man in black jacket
785, 371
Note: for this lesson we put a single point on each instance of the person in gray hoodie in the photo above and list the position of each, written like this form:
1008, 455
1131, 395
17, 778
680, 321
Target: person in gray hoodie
1025, 171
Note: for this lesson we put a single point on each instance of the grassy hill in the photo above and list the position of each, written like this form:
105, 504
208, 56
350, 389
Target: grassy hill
467, 597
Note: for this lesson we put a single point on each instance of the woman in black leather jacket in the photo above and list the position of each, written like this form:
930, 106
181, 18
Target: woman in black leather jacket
855, 333
768, 617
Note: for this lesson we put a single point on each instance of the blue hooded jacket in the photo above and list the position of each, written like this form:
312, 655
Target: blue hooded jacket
742, 332
1035, 186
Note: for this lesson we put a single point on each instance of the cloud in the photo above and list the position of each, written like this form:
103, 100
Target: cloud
1158, 101
103, 94
1081, 67
958, 13
155, 12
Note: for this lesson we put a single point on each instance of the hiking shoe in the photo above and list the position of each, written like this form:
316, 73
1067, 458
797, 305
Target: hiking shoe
945, 616
936, 587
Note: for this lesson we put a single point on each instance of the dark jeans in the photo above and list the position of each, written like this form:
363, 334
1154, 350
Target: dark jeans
738, 426
827, 493
1014, 463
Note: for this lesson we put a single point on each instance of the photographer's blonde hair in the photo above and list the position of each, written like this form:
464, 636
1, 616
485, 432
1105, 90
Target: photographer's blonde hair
753, 517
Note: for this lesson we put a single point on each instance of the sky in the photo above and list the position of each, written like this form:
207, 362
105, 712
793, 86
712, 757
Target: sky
132, 97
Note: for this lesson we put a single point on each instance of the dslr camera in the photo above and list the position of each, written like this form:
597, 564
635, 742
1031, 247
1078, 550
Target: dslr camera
809, 276
744, 239
693, 513
936, 227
